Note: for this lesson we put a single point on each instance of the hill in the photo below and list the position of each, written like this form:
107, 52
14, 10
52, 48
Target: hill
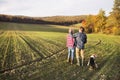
59, 20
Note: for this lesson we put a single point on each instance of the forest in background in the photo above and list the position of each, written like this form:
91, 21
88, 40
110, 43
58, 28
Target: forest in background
99, 23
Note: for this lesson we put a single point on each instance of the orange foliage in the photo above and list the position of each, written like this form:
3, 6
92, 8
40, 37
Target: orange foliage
83, 23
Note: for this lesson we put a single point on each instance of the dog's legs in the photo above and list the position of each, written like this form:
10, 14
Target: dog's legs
88, 63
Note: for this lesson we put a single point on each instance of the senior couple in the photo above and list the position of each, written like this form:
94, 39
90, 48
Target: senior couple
75, 44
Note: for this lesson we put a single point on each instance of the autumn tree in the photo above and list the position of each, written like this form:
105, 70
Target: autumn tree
113, 20
100, 21
89, 24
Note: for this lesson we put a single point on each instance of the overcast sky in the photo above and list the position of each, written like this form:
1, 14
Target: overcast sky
54, 7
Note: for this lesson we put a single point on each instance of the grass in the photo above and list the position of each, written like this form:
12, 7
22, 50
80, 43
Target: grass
38, 52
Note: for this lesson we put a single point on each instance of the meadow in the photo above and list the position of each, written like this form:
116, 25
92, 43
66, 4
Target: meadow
38, 52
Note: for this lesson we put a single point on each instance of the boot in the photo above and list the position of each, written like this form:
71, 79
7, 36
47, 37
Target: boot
82, 60
78, 62
68, 60
71, 61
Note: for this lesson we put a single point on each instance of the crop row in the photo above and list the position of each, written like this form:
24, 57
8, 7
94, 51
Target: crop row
19, 48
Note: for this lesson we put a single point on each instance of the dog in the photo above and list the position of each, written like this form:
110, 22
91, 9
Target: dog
91, 63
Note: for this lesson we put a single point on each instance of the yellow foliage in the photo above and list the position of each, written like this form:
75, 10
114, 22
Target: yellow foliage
116, 31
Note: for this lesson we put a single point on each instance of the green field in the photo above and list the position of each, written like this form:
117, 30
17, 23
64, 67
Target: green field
38, 52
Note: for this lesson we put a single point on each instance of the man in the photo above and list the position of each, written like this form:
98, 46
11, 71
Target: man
81, 39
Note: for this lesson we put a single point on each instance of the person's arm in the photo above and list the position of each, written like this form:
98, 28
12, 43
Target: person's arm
75, 35
85, 38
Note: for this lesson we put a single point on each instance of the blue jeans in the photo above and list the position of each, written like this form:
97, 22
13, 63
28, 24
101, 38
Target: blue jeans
70, 53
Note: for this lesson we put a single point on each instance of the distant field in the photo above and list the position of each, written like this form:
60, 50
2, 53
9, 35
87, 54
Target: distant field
38, 52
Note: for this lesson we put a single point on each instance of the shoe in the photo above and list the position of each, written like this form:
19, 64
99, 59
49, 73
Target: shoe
71, 62
68, 60
90, 68
78, 64
82, 64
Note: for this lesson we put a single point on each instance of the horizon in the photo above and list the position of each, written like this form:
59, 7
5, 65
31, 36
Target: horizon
48, 8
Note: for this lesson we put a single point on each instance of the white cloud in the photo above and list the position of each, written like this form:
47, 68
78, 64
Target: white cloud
53, 7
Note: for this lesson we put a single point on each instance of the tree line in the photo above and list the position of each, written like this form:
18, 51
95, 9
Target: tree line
104, 24
57, 20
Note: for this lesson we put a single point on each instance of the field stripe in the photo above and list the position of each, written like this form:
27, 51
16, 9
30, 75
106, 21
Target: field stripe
28, 63
42, 56
6, 49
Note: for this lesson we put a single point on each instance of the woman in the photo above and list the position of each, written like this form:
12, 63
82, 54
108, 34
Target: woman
70, 45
